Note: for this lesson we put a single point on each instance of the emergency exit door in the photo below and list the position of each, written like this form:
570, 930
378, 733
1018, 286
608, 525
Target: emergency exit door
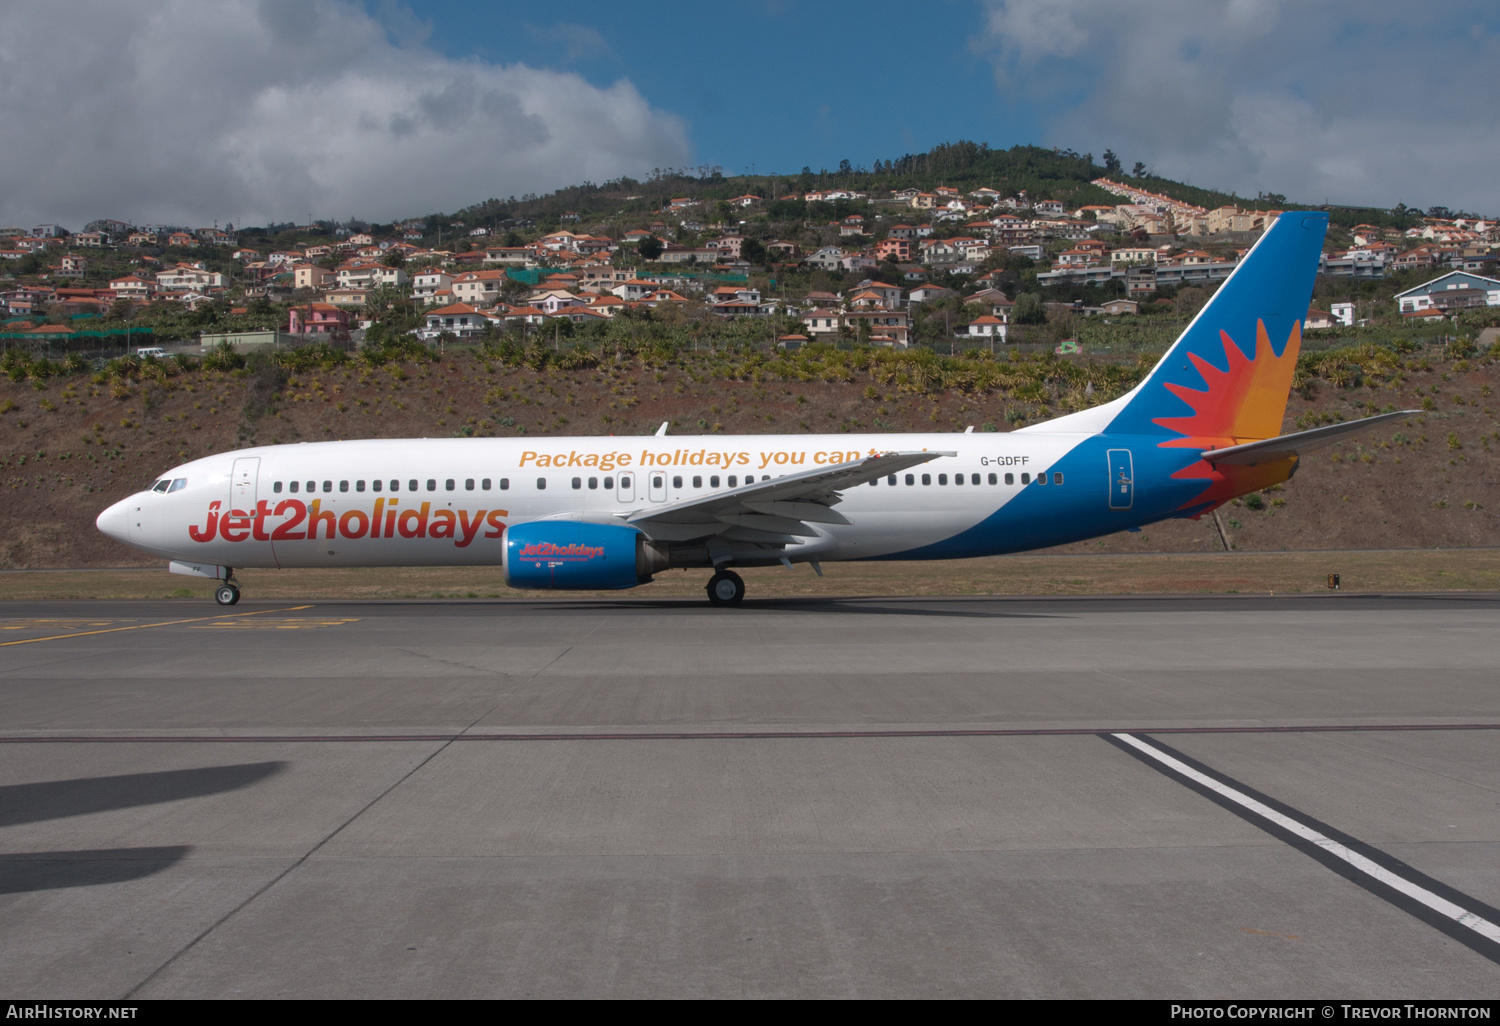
1121, 479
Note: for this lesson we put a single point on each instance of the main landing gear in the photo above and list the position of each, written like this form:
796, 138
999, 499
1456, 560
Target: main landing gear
726, 588
228, 593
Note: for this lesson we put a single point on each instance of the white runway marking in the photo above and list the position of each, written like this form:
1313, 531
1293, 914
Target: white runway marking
1462, 916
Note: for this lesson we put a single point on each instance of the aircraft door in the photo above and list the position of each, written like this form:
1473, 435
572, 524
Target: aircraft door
242, 483
656, 481
1121, 479
625, 487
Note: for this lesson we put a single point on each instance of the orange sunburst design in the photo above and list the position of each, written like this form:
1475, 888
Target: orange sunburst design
1242, 404
1246, 403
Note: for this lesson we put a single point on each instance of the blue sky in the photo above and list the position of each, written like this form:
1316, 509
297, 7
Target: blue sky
182, 112
777, 85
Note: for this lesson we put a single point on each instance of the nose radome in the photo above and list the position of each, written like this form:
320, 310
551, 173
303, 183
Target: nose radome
115, 521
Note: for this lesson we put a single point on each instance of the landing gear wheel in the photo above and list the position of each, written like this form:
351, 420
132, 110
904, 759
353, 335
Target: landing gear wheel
226, 595
726, 588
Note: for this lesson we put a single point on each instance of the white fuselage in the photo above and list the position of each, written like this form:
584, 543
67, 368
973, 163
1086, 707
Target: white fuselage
431, 502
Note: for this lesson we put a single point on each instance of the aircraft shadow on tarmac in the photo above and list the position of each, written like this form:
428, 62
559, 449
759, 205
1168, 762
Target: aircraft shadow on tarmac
61, 799
54, 870
922, 606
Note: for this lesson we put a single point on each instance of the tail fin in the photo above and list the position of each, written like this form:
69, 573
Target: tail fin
1226, 379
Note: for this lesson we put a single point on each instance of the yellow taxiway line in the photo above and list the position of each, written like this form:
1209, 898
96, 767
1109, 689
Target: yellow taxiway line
143, 626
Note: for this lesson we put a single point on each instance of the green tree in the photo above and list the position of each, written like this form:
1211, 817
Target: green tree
1029, 309
1111, 162
650, 248
754, 251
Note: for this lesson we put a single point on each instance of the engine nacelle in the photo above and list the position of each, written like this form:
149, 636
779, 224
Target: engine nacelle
569, 555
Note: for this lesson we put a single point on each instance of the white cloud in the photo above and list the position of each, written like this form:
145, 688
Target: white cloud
1368, 102
182, 111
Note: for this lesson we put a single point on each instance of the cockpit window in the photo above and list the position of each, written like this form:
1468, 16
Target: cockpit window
178, 484
162, 485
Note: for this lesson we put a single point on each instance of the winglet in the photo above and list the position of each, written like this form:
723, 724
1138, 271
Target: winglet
661, 431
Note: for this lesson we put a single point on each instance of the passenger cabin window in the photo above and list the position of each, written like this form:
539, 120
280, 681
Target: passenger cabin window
432, 484
942, 479
294, 486
958, 479
974, 479
891, 480
593, 483
624, 481
448, 485
697, 481
359, 486
468, 484
1057, 479
577, 483
411, 485
1025, 478
1010, 479
911, 479
609, 482
505, 484
994, 479
927, 479
676, 480
343, 486
276, 488
485, 484
541, 484
1041, 478
713, 481
328, 486
375, 485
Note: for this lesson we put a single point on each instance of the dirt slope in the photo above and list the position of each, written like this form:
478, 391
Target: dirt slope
71, 447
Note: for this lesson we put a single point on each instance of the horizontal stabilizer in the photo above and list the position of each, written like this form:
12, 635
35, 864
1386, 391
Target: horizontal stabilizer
1270, 450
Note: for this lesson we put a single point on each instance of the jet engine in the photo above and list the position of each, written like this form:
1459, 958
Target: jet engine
569, 555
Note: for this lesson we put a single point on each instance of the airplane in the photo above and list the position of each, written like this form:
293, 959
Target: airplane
592, 513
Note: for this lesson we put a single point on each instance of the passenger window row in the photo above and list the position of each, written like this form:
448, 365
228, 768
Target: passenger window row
412, 485
974, 479
658, 481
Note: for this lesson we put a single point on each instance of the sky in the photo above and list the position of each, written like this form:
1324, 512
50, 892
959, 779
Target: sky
252, 111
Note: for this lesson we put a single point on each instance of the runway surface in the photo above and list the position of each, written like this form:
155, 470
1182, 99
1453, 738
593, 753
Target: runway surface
1185, 797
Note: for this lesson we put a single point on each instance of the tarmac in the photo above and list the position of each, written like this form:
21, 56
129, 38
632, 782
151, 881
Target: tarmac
1241, 797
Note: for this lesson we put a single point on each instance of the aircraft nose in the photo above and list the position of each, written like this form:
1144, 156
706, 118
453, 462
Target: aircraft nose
115, 521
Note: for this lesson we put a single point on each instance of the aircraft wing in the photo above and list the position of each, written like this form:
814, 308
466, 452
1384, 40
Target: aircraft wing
775, 511
1270, 450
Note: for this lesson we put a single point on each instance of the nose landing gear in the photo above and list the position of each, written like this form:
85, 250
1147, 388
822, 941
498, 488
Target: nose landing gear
726, 588
228, 593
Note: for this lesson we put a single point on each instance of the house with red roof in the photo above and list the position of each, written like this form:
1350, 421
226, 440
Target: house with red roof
132, 287
987, 327
459, 319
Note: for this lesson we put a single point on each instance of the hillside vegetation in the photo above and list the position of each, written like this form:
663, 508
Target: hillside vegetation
74, 439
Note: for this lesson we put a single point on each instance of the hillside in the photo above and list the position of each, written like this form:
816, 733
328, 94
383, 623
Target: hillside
1042, 173
71, 443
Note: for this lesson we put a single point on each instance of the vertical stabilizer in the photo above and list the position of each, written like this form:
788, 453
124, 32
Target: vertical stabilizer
1227, 377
